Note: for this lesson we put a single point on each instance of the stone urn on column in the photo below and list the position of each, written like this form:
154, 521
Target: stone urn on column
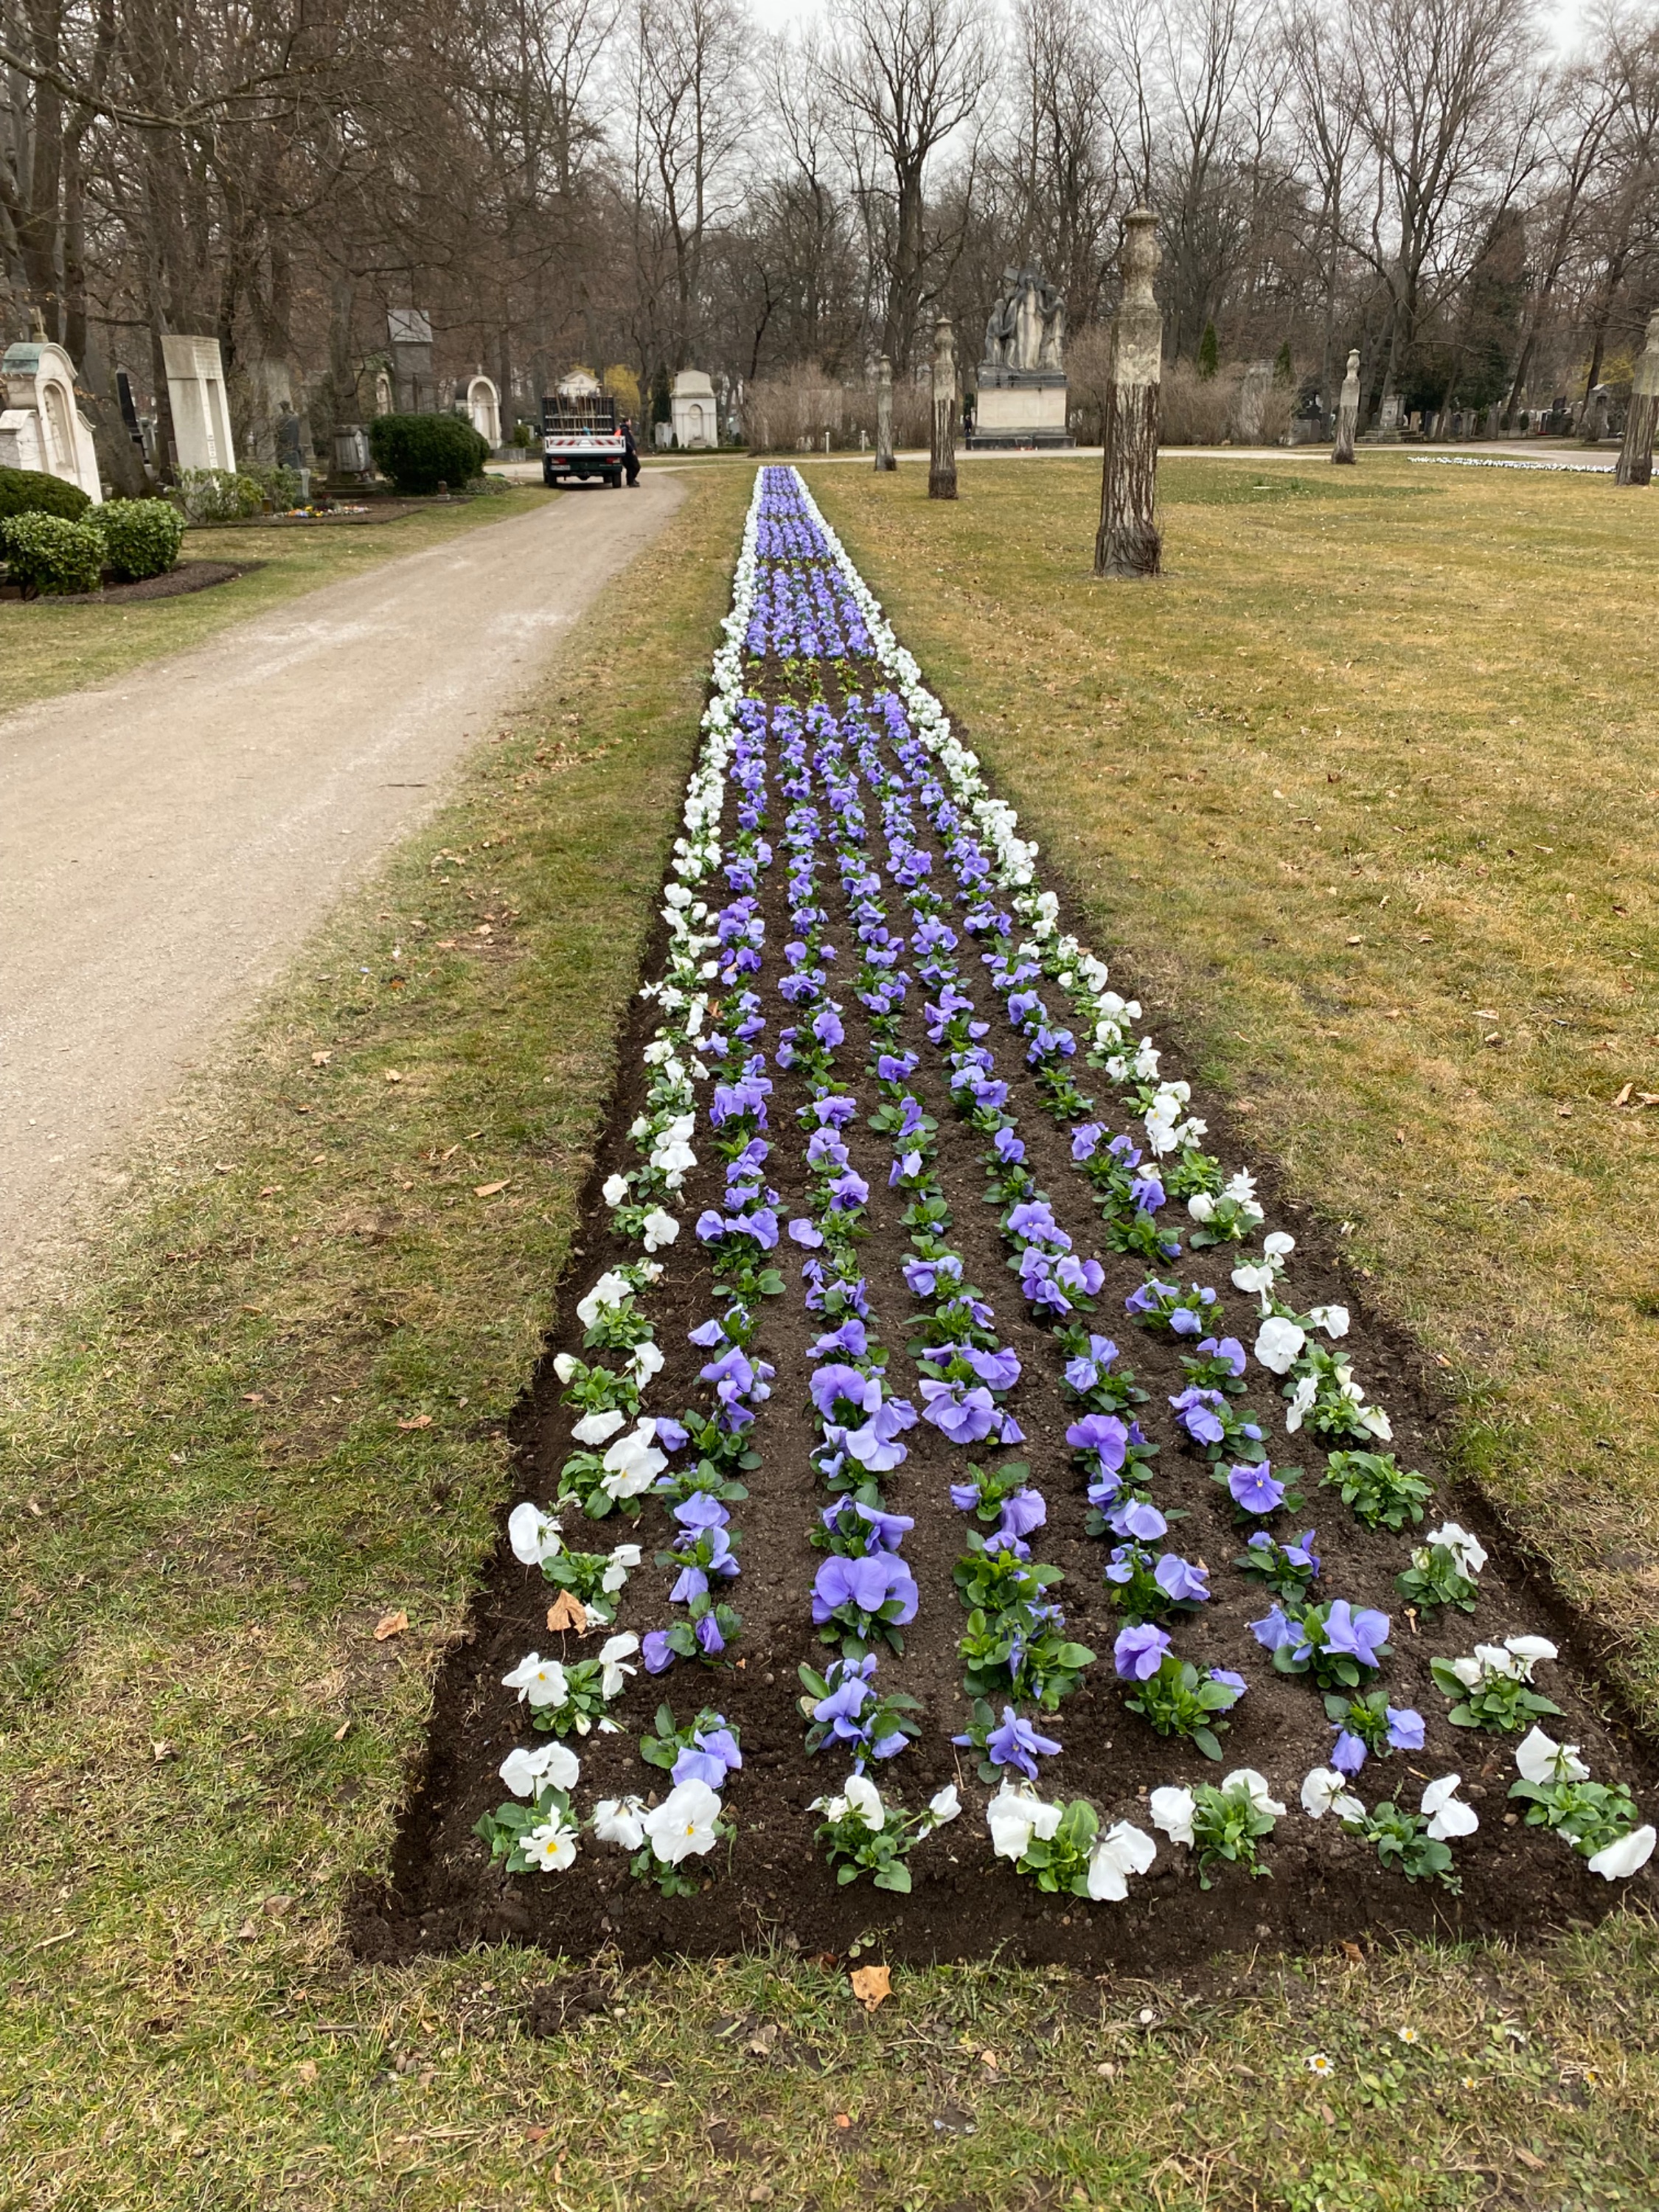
942, 466
1347, 413
1129, 542
884, 459
1636, 454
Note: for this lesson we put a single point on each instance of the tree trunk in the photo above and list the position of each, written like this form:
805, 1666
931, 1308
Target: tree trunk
1129, 542
1636, 455
884, 459
942, 467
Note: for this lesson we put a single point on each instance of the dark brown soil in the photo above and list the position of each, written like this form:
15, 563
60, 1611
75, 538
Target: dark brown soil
176, 583
443, 1893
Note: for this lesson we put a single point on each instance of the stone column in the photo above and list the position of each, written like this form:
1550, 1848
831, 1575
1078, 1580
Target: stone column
942, 467
1129, 542
1347, 412
884, 459
1636, 454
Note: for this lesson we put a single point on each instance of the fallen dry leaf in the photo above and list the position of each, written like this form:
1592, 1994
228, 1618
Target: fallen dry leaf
872, 1986
390, 1624
306, 2070
1623, 1099
253, 1397
158, 1752
1352, 1951
420, 1421
567, 1610
1532, 2165
340, 1732
988, 2058
843, 2119
392, 1076
489, 1189
321, 1059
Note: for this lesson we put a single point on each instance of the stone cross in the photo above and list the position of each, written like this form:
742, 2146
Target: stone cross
942, 466
1347, 412
1129, 542
884, 459
1636, 454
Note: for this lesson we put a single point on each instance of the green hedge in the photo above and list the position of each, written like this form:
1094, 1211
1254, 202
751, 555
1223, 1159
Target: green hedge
47, 554
31, 491
142, 537
421, 452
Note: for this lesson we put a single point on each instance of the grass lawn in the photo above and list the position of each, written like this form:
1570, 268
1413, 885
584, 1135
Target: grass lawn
275, 1418
47, 647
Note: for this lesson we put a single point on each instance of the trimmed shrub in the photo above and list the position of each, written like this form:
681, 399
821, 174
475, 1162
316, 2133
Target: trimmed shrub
31, 491
218, 494
421, 452
280, 485
47, 554
142, 537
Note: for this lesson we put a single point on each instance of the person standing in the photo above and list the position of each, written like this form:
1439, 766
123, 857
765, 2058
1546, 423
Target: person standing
630, 452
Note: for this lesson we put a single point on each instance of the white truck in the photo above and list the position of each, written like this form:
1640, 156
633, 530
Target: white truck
580, 439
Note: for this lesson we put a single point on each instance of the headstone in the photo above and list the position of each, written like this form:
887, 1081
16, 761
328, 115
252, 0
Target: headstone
196, 393
1129, 542
414, 388
484, 408
1593, 416
942, 463
40, 425
1388, 419
1635, 465
692, 400
382, 394
291, 445
1022, 377
884, 459
1347, 412
1253, 400
352, 462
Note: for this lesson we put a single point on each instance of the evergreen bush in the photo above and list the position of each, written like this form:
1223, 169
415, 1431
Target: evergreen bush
142, 537
218, 494
421, 452
31, 491
49, 555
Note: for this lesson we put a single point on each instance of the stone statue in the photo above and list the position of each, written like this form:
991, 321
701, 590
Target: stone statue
942, 463
1636, 454
1025, 331
1347, 413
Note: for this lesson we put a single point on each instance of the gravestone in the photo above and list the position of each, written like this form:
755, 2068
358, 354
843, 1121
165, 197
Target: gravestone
884, 459
1593, 416
382, 392
692, 402
483, 408
942, 461
196, 394
414, 387
1388, 419
1347, 412
1635, 465
1129, 542
1022, 377
1253, 400
40, 425
290, 442
352, 462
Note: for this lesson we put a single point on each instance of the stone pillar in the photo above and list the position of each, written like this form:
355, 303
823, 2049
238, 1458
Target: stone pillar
884, 459
1347, 412
1129, 542
1636, 454
942, 466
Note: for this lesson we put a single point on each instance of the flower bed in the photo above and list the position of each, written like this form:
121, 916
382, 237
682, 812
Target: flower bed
950, 1480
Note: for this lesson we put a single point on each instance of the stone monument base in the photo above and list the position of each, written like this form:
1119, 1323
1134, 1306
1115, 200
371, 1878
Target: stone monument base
1020, 411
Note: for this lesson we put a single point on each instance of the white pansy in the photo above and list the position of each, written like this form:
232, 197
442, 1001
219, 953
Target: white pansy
1122, 1852
595, 1428
620, 1821
632, 1464
683, 1826
610, 1291
552, 1764
1377, 1423
1201, 1207
624, 1558
1468, 1553
551, 1848
612, 1653
1261, 1798
1172, 1810
646, 1362
1446, 1813
1279, 1343
1014, 1816
1306, 1391
538, 1681
1278, 1245
565, 1365
1626, 1857
614, 1190
945, 1804
1257, 1278
863, 1798
1242, 1188
533, 1534
1528, 1651
1333, 1320
1325, 1790
658, 1228
1541, 1758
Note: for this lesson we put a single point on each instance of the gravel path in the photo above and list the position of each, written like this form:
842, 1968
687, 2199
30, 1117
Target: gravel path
168, 839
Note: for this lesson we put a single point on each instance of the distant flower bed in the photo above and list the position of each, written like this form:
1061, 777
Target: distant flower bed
918, 1175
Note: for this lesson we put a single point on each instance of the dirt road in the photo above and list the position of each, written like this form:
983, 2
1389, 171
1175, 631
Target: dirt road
166, 839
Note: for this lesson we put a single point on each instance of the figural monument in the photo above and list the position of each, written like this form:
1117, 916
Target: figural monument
1022, 378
